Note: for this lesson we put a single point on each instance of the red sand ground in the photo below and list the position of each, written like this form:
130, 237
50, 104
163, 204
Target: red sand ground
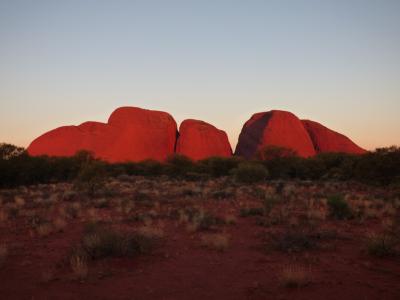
182, 269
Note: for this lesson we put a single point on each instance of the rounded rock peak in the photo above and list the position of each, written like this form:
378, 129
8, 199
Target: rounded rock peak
129, 114
199, 140
274, 128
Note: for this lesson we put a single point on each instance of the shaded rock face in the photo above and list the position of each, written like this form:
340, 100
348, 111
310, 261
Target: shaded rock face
198, 140
274, 128
327, 140
131, 134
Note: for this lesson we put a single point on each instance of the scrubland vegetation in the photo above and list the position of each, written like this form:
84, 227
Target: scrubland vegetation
380, 167
281, 227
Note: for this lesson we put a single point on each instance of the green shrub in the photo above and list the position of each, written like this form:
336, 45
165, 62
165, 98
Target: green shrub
250, 172
91, 177
338, 207
218, 166
179, 166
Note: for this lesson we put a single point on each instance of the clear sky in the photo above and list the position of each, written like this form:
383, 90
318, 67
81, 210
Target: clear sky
335, 62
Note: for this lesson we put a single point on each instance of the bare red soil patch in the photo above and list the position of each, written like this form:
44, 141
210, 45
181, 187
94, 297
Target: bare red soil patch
216, 240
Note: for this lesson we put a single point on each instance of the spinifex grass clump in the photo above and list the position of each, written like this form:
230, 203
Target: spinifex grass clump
339, 208
294, 276
100, 241
297, 239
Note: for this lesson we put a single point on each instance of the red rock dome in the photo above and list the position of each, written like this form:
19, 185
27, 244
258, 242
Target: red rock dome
131, 134
274, 128
327, 140
198, 140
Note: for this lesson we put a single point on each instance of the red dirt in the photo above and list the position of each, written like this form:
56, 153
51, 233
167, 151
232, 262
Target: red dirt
182, 269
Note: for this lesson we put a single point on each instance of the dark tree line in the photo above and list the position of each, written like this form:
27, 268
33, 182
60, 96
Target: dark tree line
380, 167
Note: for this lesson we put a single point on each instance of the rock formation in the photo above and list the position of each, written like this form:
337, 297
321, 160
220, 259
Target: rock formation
131, 134
135, 134
327, 140
199, 140
277, 128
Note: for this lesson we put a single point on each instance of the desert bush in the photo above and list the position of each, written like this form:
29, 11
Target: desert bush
100, 241
91, 177
9, 151
338, 207
202, 220
250, 172
218, 166
381, 245
143, 168
223, 194
380, 167
293, 240
73, 210
252, 211
297, 239
178, 166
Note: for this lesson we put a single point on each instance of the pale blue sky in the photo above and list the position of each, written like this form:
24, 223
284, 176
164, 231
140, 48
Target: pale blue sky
336, 62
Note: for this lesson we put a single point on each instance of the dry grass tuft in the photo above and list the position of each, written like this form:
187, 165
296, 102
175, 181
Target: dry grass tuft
79, 266
44, 229
294, 276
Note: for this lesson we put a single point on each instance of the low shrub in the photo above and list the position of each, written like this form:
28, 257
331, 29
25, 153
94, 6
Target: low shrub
381, 245
252, 211
339, 208
248, 172
100, 241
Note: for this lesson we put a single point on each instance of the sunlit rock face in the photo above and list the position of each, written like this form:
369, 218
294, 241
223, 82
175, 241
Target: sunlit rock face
274, 128
327, 140
136, 134
198, 140
131, 134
